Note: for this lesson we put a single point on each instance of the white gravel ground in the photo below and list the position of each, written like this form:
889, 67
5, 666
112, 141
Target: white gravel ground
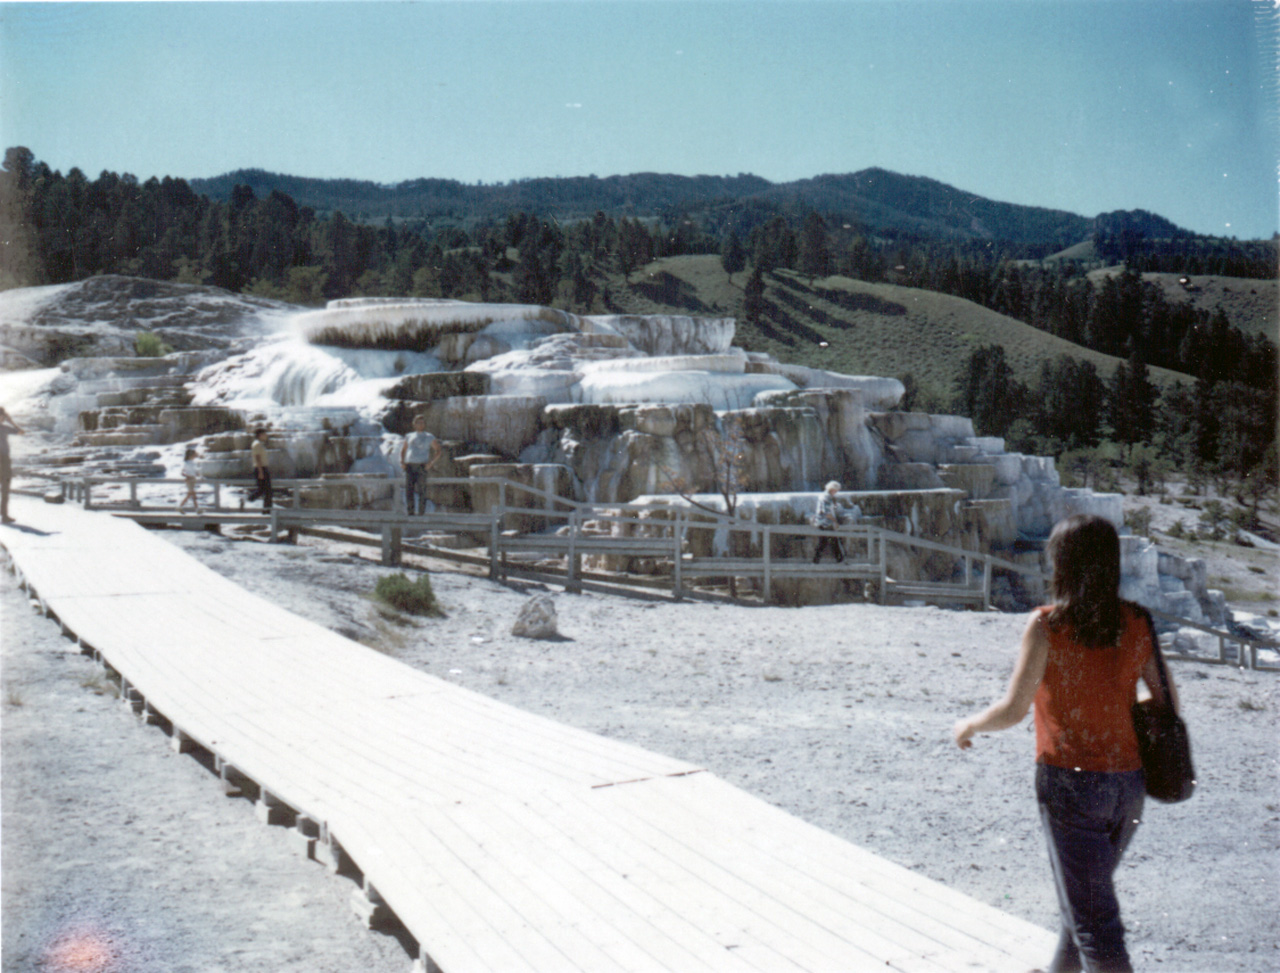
841, 715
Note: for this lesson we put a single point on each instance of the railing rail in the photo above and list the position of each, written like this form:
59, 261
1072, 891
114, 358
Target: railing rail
651, 531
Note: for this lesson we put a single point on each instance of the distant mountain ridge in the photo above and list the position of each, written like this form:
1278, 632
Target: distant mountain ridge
877, 199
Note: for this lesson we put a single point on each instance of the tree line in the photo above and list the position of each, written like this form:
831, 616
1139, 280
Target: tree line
65, 228
1221, 429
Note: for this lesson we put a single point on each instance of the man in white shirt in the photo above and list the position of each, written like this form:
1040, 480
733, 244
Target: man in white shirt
420, 452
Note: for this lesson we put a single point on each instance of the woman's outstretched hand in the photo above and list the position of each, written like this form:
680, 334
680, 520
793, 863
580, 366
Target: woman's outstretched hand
964, 734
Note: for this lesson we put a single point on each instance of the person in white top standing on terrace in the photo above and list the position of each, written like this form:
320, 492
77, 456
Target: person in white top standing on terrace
420, 452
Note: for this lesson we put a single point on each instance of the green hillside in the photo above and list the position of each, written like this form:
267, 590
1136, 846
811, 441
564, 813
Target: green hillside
1251, 305
870, 329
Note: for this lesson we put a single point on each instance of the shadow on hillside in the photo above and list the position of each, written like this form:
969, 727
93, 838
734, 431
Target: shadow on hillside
668, 289
798, 304
861, 302
789, 324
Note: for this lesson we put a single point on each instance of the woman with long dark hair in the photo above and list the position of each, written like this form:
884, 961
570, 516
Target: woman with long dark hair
1079, 663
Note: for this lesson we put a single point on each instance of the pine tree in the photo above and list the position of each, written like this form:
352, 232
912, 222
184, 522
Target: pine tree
814, 257
732, 257
753, 296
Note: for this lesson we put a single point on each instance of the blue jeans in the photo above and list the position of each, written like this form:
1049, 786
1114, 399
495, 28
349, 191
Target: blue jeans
415, 488
1089, 818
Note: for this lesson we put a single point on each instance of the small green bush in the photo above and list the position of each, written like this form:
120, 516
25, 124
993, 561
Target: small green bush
1178, 529
148, 344
1213, 520
415, 597
1139, 521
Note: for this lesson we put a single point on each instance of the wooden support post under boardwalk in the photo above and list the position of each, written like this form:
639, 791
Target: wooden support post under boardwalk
304, 835
328, 852
131, 697
269, 809
234, 783
179, 742
371, 907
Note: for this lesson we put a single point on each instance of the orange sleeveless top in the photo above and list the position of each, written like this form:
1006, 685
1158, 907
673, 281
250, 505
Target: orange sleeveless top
1082, 706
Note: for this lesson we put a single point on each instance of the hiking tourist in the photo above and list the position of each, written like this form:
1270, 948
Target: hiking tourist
190, 473
420, 452
261, 471
1079, 664
829, 516
7, 426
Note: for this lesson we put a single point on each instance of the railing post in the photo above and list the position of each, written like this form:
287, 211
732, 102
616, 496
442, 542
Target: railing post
390, 545
677, 574
572, 568
766, 591
986, 584
217, 495
495, 536
884, 569
275, 525
133, 493
88, 494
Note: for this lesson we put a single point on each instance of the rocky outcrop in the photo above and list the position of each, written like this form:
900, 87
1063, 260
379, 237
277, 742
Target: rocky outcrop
505, 423
102, 316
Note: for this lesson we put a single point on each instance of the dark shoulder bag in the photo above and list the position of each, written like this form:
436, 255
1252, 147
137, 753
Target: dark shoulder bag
1162, 739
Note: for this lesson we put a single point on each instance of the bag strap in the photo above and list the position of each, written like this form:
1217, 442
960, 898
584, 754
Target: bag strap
1158, 656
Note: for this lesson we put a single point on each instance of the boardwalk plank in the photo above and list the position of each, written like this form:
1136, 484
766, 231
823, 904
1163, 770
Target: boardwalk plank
504, 841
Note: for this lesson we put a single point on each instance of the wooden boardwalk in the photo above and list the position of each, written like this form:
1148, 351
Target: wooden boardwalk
503, 841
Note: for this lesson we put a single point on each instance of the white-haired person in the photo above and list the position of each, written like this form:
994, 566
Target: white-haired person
828, 517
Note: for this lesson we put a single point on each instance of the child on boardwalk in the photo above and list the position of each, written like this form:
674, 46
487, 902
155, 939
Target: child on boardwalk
190, 473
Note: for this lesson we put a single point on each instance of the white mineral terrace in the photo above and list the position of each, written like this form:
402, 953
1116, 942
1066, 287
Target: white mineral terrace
497, 379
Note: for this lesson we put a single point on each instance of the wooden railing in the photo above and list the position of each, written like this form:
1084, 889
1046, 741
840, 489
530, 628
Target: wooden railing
569, 529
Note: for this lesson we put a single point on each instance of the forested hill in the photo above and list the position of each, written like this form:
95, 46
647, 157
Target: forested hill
638, 195
875, 199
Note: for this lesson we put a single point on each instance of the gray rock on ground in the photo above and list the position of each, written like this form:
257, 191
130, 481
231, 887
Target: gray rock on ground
537, 619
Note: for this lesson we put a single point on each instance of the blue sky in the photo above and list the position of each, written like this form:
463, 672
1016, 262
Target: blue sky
1083, 105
